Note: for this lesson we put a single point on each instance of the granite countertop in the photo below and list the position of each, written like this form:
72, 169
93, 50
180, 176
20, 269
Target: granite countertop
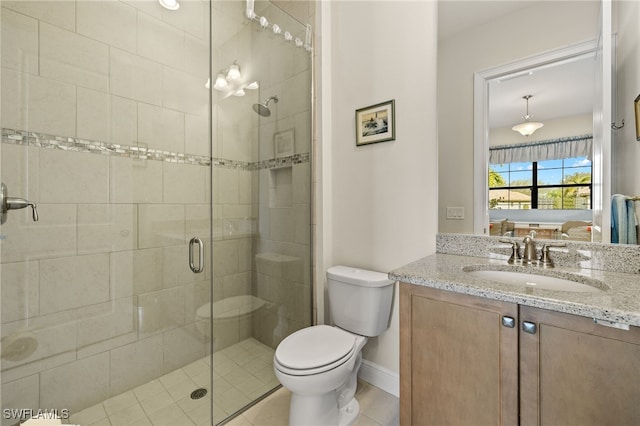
619, 300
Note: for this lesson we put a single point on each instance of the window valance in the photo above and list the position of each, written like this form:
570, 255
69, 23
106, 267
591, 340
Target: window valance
554, 149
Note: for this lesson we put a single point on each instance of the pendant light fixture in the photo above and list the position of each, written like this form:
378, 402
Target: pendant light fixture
528, 127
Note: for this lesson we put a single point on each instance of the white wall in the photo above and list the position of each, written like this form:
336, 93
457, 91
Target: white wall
626, 150
539, 28
382, 196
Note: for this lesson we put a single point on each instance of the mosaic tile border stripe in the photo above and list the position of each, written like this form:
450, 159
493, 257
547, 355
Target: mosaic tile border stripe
63, 143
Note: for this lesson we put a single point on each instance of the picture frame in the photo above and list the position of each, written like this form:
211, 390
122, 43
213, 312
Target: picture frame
284, 143
376, 123
636, 105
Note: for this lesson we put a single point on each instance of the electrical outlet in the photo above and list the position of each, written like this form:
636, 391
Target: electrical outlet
455, 213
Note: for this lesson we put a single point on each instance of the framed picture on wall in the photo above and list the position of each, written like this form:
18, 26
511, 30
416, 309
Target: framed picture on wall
376, 123
284, 143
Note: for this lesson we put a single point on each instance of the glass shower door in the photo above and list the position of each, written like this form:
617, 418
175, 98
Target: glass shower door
105, 119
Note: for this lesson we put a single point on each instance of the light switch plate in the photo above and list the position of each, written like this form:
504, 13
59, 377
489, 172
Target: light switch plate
455, 213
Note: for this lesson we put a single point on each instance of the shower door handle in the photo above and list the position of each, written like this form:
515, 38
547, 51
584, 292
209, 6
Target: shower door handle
195, 241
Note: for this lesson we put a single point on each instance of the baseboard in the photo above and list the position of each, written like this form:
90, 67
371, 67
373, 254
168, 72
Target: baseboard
380, 377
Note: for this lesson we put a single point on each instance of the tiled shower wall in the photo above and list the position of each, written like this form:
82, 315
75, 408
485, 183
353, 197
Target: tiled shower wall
262, 208
97, 297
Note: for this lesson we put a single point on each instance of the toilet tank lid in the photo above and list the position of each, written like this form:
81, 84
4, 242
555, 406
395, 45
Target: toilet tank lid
362, 277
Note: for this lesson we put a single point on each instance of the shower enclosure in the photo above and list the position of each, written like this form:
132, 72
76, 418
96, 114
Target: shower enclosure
171, 251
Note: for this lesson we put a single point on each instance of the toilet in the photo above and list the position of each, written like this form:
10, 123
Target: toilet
319, 364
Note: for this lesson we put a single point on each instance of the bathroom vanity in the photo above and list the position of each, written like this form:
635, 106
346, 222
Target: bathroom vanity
483, 352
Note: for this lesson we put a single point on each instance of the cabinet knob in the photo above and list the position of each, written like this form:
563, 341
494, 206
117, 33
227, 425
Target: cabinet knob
529, 327
508, 322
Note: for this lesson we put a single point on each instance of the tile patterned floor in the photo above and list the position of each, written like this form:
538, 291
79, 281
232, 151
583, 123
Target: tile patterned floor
242, 373
377, 408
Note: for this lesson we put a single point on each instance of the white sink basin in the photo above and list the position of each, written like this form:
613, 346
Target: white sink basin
543, 282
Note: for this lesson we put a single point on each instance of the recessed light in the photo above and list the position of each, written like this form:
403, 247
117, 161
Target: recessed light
170, 4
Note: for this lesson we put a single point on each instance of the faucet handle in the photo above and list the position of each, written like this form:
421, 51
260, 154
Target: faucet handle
545, 259
515, 252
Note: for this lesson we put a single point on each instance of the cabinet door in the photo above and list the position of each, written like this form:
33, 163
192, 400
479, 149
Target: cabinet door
458, 363
575, 372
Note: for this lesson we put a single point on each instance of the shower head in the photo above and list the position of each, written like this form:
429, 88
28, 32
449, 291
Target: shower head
263, 108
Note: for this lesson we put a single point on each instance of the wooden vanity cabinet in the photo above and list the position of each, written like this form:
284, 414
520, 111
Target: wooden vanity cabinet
576, 372
458, 363
461, 364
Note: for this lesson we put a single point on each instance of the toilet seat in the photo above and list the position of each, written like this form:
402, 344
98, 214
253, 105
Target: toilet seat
314, 350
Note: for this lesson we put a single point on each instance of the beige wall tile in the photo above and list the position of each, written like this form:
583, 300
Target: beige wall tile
160, 311
227, 186
197, 135
110, 22
55, 334
184, 92
136, 364
20, 169
14, 99
124, 121
192, 17
197, 56
160, 42
107, 227
53, 236
160, 225
135, 181
22, 393
106, 321
72, 58
93, 115
160, 128
176, 267
73, 177
182, 346
198, 221
184, 183
136, 272
60, 13
302, 183
225, 258
19, 42
302, 223
134, 77
51, 107
73, 282
37, 104
20, 290
77, 385
281, 226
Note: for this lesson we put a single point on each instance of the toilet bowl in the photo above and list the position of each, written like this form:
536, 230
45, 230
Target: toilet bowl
320, 364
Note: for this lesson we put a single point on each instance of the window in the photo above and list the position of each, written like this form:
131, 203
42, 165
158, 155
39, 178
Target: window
550, 184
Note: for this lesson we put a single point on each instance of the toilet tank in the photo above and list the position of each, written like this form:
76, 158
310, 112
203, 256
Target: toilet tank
360, 301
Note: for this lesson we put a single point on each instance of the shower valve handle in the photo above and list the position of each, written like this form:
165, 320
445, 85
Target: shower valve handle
11, 203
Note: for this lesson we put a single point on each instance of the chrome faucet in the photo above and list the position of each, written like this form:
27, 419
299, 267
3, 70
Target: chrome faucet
529, 252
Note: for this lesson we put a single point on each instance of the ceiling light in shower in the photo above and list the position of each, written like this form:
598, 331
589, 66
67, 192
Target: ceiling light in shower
252, 86
170, 4
233, 74
221, 82
528, 127
239, 92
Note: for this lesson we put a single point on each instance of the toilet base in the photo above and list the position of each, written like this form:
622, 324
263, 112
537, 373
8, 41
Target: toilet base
349, 414
313, 410
321, 411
